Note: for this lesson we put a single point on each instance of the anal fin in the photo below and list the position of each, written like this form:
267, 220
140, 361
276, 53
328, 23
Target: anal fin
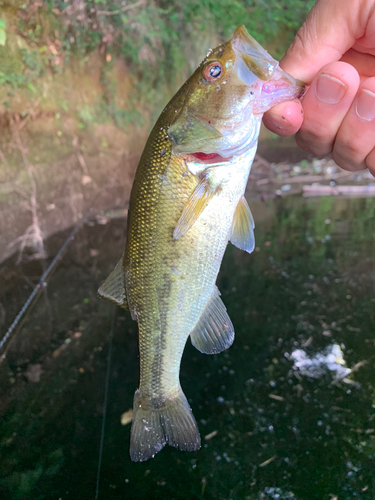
113, 289
195, 205
214, 331
243, 227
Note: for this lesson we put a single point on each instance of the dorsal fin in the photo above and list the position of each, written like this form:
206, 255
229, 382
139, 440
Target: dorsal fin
214, 331
243, 227
113, 289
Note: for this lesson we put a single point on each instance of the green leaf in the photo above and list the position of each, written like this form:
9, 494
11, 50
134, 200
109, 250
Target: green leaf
31, 87
2, 24
3, 37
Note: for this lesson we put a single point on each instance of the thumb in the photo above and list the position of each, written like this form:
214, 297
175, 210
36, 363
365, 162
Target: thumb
330, 29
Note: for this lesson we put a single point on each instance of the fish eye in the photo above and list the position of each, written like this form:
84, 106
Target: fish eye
213, 71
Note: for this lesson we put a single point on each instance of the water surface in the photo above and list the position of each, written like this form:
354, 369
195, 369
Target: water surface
286, 413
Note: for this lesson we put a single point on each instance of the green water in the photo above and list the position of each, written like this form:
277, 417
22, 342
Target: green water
279, 432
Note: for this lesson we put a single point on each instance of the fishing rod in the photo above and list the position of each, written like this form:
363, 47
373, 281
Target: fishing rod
42, 283
25, 311
105, 402
27, 307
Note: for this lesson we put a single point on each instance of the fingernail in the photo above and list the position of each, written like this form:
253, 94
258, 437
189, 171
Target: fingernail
329, 89
365, 106
280, 122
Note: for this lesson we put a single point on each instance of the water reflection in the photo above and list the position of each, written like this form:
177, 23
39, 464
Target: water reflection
270, 428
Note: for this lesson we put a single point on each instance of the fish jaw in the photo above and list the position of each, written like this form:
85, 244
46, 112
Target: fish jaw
273, 85
217, 117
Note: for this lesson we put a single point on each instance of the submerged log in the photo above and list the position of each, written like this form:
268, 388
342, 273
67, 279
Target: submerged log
352, 191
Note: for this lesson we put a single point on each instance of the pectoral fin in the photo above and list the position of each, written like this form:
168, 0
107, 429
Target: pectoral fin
214, 331
243, 227
113, 289
197, 202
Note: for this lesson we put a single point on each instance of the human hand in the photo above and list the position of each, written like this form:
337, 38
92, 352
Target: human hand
334, 53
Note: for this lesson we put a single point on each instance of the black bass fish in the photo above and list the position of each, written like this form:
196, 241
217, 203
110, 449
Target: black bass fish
186, 203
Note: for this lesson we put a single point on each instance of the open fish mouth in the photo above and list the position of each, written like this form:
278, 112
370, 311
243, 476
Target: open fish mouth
255, 64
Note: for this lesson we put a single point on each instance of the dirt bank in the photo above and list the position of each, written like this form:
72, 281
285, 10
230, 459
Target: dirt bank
48, 181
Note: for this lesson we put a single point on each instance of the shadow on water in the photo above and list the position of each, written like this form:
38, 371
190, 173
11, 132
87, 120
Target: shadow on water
286, 413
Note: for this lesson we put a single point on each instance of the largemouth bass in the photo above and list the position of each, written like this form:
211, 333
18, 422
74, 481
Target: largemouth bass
186, 204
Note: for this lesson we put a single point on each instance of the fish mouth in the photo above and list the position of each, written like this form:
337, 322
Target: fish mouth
254, 63
231, 129
253, 55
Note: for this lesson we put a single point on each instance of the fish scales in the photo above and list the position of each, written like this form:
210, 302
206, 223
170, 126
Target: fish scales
186, 204
156, 261
149, 260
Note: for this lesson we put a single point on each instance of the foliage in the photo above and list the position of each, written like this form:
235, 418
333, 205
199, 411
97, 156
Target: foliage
3, 35
14, 80
32, 62
21, 71
263, 18
160, 41
153, 35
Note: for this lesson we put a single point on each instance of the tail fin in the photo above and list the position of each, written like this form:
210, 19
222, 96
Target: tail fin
156, 424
